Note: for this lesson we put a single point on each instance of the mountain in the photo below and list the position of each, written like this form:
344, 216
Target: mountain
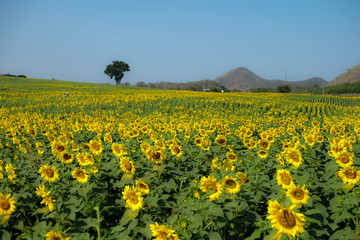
351, 76
243, 79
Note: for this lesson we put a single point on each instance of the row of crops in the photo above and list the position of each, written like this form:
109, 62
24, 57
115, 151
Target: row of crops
111, 162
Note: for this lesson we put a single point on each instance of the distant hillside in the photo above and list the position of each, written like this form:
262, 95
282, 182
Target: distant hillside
351, 76
243, 79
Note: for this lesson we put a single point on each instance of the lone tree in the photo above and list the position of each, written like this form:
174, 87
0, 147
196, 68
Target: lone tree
117, 69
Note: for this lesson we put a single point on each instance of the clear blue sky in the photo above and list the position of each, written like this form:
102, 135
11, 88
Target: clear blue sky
178, 41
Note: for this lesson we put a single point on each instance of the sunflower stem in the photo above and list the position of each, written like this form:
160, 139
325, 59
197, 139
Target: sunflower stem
98, 222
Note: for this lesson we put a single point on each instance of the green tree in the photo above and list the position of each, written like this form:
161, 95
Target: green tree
283, 89
116, 70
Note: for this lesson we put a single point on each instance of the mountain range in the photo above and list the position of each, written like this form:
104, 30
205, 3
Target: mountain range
243, 79
351, 76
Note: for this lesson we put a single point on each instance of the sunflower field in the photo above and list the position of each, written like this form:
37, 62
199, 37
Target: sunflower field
119, 162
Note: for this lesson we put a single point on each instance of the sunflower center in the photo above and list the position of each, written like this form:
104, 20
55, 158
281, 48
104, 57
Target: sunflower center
176, 150
96, 146
287, 219
133, 198
81, 174
156, 155
60, 148
211, 187
230, 183
67, 156
5, 205
298, 194
127, 166
49, 173
344, 159
285, 179
295, 157
350, 174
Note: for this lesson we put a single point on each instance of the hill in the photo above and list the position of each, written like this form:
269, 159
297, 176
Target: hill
351, 76
243, 79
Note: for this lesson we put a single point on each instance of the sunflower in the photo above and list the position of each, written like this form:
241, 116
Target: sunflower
298, 194
66, 157
243, 178
94, 169
11, 170
262, 154
49, 173
284, 178
161, 232
231, 156
156, 156
80, 175
134, 199
52, 235
345, 159
118, 149
293, 156
233, 186
82, 160
57, 147
349, 175
264, 144
40, 190
221, 140
209, 184
7, 204
96, 147
176, 150
142, 186
127, 166
285, 220
48, 201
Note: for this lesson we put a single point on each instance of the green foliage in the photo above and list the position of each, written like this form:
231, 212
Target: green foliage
283, 89
116, 70
339, 89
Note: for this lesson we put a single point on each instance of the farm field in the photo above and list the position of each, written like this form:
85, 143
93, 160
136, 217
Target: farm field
119, 162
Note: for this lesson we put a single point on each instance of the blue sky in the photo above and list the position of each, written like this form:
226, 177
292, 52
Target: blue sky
178, 41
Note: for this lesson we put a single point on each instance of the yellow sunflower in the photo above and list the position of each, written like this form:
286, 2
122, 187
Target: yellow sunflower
48, 201
142, 186
96, 147
57, 147
52, 235
176, 150
118, 149
66, 157
243, 178
285, 220
349, 175
293, 156
80, 175
231, 156
298, 194
209, 184
11, 170
156, 156
161, 232
7, 204
262, 154
344, 159
221, 140
284, 178
40, 190
49, 173
232, 184
133, 198
127, 166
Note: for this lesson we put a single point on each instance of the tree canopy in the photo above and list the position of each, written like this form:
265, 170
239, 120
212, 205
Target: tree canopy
116, 70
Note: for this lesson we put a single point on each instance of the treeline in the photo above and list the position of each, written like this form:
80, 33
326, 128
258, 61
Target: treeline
11, 75
339, 89
204, 85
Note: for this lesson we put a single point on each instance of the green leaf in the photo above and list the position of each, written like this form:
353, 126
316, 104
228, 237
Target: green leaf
5, 235
214, 236
255, 235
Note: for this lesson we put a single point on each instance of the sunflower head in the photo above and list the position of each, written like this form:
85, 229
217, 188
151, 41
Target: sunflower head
298, 195
7, 204
284, 178
133, 198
